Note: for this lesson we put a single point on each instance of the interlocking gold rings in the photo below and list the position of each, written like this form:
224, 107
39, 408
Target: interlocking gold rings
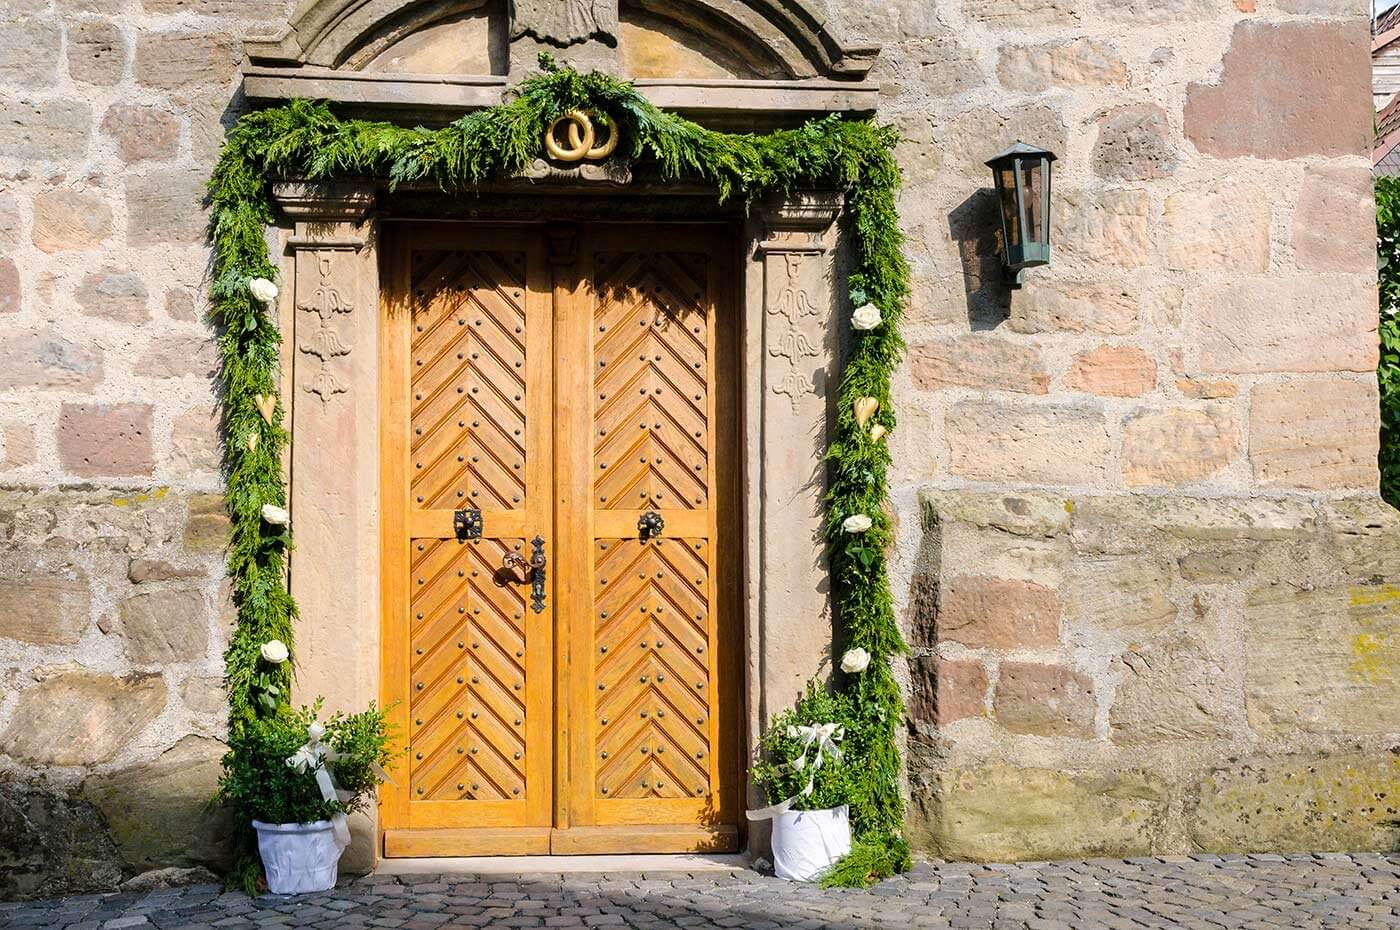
582, 138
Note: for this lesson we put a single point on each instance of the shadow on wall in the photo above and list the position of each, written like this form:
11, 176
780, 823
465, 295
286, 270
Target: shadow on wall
975, 225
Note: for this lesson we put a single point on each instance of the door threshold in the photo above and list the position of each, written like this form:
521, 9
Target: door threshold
563, 865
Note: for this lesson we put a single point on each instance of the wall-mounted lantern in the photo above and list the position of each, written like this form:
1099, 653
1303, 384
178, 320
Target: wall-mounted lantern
1022, 177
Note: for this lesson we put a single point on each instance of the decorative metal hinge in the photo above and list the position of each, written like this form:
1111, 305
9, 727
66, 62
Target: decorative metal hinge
649, 525
467, 524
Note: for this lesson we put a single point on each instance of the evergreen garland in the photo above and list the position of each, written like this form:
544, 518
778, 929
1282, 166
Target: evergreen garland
306, 140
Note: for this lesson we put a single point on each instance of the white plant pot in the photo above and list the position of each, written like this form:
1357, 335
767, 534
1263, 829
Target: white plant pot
298, 857
807, 843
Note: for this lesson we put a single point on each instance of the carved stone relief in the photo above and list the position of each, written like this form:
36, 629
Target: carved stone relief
563, 23
326, 342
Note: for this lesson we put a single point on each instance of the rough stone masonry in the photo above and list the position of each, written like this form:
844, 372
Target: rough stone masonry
1151, 589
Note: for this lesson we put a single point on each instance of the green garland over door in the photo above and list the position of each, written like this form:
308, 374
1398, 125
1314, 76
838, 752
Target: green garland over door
306, 140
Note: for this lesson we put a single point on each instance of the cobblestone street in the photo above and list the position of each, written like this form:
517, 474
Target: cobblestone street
1208, 892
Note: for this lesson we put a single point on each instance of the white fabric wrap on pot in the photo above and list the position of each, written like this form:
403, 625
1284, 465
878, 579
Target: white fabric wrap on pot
298, 858
822, 737
313, 757
807, 843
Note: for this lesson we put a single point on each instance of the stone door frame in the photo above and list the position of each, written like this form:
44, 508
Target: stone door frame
792, 255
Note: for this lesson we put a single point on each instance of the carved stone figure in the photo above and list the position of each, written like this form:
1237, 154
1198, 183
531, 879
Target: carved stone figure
564, 22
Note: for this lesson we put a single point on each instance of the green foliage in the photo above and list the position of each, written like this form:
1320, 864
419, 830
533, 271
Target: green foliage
872, 858
303, 139
1388, 369
783, 767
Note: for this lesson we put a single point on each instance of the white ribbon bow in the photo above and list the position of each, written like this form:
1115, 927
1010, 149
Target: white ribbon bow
314, 756
823, 736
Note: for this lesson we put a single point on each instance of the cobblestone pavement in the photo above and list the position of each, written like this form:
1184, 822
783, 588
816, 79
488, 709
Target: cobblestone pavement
1208, 892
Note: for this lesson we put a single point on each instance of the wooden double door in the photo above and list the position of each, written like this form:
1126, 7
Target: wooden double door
561, 639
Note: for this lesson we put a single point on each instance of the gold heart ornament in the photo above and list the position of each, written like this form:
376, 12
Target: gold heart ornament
877, 432
865, 408
267, 406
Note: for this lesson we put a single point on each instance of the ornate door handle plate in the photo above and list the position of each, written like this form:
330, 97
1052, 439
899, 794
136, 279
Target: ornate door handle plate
516, 569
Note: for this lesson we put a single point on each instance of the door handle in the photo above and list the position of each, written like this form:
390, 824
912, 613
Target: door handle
516, 569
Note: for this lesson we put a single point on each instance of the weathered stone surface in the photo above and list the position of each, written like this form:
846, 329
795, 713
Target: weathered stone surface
1108, 227
29, 56
195, 446
165, 207
165, 626
1295, 803
182, 304
1023, 514
1350, 680
978, 361
16, 445
97, 52
943, 691
1284, 92
208, 526
178, 61
1113, 371
180, 356
158, 812
241, 9
1044, 700
1315, 434
1333, 227
46, 361
111, 440
1073, 63
1015, 14
204, 696
1283, 324
68, 219
1135, 143
141, 571
45, 600
1074, 307
1218, 566
11, 288
43, 130
1224, 226
1057, 444
1116, 524
52, 843
994, 613
1205, 389
998, 812
87, 717
142, 133
1178, 445
1128, 593
972, 137
1168, 690
114, 295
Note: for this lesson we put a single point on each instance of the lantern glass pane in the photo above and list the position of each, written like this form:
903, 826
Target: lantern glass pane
1010, 213
1032, 175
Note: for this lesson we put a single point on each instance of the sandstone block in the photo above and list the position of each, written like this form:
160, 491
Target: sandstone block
177, 61
1113, 371
1065, 444
1178, 445
87, 717
142, 133
1017, 14
195, 449
1128, 592
1218, 227
1074, 63
16, 445
1169, 690
983, 362
97, 52
166, 208
48, 130
1283, 93
11, 288
114, 295
1158, 11
53, 844
1282, 324
29, 56
1206, 389
974, 135
208, 526
262, 10
1318, 434
1044, 700
158, 812
993, 613
1074, 307
1218, 566
1022, 514
999, 812
44, 600
140, 571
165, 626
206, 697
1349, 682
46, 361
179, 356
109, 440
943, 691
182, 304
1299, 803
1109, 227
1115, 525
1334, 225
1135, 143
71, 220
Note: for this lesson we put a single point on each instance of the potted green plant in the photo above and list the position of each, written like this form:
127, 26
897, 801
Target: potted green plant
296, 779
808, 783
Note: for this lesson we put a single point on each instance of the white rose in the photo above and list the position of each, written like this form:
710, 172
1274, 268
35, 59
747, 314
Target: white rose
275, 515
263, 290
857, 524
855, 661
866, 317
275, 651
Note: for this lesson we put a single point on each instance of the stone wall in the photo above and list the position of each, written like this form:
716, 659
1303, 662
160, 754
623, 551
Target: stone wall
1140, 555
